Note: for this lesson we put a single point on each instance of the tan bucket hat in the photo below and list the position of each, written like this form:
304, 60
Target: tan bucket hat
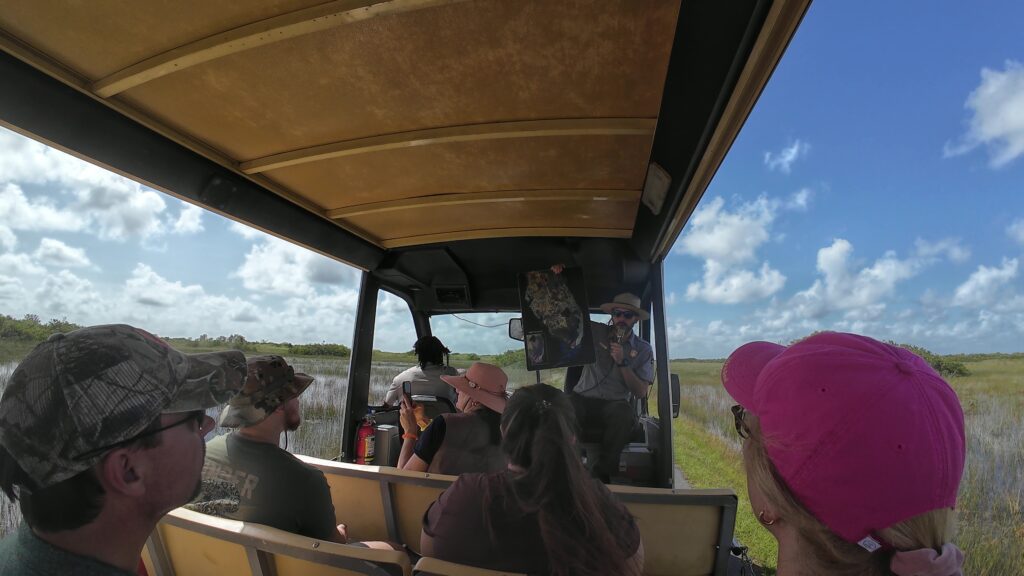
626, 301
484, 383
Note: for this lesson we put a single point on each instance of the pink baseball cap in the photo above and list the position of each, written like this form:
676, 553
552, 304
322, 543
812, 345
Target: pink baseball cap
863, 433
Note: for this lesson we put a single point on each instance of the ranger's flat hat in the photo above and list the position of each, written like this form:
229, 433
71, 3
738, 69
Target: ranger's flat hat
78, 392
626, 301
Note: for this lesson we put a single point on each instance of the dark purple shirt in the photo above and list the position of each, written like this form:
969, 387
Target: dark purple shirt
478, 521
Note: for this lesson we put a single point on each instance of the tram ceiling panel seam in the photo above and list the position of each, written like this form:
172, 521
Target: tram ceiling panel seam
452, 134
489, 197
254, 35
484, 233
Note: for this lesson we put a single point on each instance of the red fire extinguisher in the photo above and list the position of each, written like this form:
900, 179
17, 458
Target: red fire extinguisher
365, 441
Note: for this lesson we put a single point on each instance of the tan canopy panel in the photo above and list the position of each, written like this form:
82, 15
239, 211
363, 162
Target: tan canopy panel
402, 123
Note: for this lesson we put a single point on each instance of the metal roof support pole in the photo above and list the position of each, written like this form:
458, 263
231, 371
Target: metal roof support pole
663, 474
359, 364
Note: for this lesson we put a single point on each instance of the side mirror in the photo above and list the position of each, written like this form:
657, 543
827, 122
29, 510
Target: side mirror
515, 329
675, 395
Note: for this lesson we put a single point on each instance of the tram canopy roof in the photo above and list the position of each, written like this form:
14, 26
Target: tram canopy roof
438, 144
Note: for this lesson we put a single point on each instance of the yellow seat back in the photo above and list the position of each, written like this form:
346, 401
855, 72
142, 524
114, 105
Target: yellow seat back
188, 543
685, 532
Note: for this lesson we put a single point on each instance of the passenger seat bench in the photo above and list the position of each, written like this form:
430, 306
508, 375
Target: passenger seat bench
187, 543
685, 532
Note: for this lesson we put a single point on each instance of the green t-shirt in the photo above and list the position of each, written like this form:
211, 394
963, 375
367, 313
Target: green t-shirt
25, 554
266, 485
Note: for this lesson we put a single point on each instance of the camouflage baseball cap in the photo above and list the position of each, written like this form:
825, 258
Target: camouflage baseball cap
271, 382
78, 392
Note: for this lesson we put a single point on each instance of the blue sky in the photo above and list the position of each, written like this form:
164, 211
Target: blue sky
877, 187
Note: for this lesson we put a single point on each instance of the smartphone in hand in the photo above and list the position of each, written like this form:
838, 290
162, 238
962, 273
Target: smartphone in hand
407, 391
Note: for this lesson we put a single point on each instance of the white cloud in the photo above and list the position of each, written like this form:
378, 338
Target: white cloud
282, 268
800, 199
715, 233
985, 287
783, 161
19, 213
461, 336
64, 294
721, 285
190, 220
10, 288
857, 293
56, 253
1016, 230
727, 240
148, 288
670, 299
17, 265
949, 247
997, 105
104, 203
122, 210
8, 239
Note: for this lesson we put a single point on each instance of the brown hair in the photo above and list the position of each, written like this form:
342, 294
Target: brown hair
539, 426
824, 551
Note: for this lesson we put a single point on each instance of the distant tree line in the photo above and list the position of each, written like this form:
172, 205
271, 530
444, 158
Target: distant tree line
31, 328
238, 342
339, 350
945, 365
511, 357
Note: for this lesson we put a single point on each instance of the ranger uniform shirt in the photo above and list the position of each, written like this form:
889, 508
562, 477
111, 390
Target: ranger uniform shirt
271, 487
603, 379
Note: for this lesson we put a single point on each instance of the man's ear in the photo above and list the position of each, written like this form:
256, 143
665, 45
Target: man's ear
121, 471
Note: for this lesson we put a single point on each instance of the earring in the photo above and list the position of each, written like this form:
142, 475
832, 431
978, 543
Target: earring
760, 518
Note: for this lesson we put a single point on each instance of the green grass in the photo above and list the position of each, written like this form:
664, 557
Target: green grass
14, 350
708, 462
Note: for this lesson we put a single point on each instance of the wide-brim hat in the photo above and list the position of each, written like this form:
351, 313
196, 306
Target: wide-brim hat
865, 434
627, 301
270, 383
484, 383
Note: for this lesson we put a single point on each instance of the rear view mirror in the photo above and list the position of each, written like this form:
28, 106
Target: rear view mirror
675, 395
515, 329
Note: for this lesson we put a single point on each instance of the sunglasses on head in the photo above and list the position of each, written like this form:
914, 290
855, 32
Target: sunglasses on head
627, 314
741, 426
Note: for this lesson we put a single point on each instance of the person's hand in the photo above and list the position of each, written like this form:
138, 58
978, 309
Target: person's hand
615, 349
557, 268
343, 530
408, 417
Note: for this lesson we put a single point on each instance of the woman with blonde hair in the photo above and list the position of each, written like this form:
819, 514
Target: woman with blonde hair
854, 451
